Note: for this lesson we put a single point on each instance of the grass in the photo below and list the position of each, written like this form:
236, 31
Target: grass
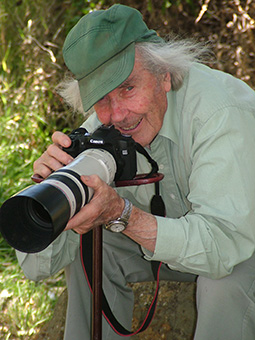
25, 304
30, 67
24, 131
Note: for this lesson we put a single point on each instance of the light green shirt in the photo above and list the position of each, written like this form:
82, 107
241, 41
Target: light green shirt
205, 150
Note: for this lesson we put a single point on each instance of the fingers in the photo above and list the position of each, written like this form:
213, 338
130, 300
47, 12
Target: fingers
93, 182
61, 139
54, 157
105, 205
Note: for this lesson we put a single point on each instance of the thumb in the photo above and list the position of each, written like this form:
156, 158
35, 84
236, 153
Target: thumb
92, 181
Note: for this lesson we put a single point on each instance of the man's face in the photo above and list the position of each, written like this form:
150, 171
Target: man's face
137, 107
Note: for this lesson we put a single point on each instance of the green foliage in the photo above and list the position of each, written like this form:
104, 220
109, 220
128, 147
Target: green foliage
31, 60
24, 304
191, 4
21, 129
31, 65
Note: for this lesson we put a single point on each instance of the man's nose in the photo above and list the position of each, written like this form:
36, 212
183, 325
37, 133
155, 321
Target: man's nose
118, 110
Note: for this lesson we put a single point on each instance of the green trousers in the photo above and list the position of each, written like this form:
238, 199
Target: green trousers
226, 307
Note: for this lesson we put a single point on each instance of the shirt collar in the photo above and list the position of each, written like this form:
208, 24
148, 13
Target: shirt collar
170, 125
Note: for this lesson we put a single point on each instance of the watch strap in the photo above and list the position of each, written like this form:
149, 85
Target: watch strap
123, 219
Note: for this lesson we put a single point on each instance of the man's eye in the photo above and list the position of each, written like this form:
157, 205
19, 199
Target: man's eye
129, 88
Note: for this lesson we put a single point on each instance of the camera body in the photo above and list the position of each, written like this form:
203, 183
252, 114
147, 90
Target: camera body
121, 147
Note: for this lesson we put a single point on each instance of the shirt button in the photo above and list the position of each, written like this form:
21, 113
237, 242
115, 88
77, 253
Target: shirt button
161, 166
172, 196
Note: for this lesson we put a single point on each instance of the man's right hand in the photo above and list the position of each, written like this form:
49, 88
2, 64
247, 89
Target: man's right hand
54, 157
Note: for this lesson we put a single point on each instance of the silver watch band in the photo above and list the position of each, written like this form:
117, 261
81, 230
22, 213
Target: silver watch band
120, 223
127, 210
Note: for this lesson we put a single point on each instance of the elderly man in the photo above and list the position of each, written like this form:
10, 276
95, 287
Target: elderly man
199, 125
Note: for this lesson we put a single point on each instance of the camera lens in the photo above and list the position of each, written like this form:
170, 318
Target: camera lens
39, 214
36, 216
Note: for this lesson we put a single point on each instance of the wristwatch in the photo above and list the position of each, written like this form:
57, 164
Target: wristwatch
120, 224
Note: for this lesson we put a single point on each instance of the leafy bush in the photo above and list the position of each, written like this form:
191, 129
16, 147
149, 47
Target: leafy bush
32, 34
31, 39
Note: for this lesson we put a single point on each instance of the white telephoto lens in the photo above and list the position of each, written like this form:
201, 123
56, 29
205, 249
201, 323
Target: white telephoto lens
90, 162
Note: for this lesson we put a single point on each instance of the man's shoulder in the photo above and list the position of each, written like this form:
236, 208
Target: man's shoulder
206, 91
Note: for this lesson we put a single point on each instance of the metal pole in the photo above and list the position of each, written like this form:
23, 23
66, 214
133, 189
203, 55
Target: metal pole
97, 284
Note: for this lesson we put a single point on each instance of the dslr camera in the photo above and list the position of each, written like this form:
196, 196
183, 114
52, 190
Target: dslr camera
121, 147
35, 217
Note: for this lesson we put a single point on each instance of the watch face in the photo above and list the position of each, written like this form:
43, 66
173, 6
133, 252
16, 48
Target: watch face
117, 228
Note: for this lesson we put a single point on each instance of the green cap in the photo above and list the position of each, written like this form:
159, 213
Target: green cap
100, 50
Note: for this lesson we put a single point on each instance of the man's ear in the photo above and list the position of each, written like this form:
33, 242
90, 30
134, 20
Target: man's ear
167, 81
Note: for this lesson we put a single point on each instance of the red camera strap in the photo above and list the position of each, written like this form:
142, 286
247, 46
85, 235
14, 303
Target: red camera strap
86, 245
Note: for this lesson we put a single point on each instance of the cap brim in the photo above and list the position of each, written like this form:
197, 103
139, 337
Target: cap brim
107, 77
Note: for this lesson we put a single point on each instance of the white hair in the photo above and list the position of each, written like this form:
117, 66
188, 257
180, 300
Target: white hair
173, 56
69, 90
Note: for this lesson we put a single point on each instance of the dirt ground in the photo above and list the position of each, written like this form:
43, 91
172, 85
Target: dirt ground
175, 315
174, 318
